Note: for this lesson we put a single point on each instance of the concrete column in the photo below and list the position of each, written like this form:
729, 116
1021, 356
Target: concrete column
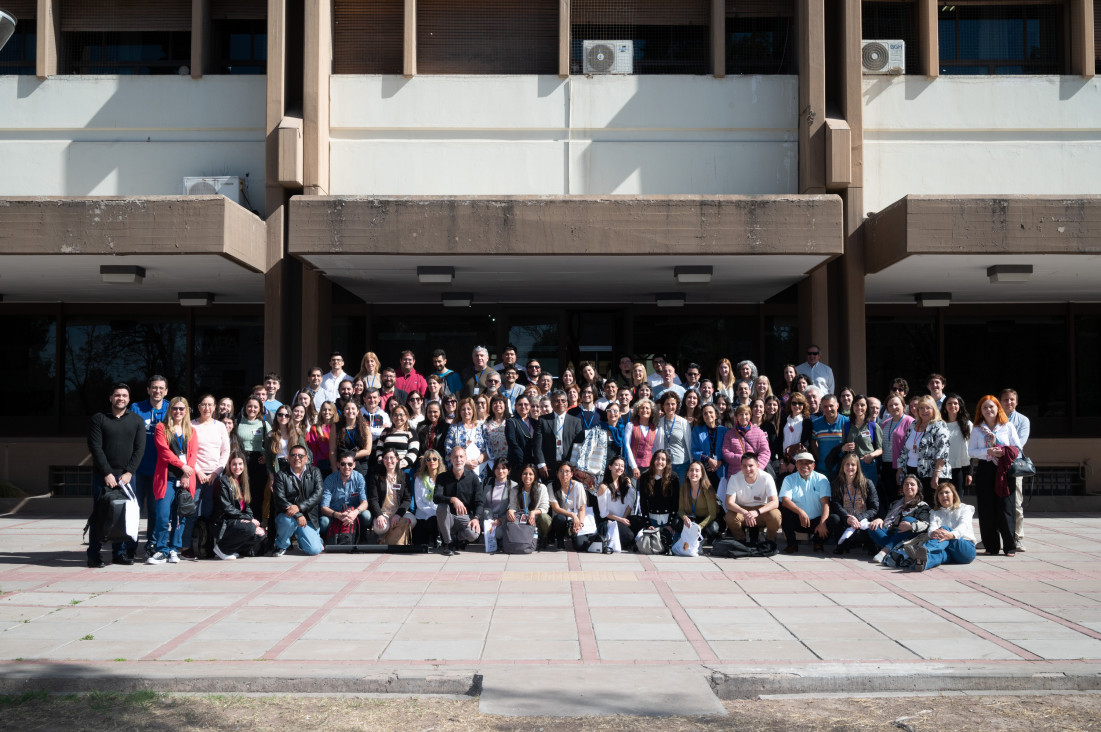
317, 299
718, 38
1082, 49
564, 38
811, 23
319, 63
929, 38
200, 37
48, 29
814, 310
274, 195
409, 42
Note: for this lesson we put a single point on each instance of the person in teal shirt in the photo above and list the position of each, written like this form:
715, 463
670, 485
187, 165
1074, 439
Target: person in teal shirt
804, 504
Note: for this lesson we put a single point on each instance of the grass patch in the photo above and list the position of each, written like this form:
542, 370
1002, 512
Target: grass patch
89, 637
103, 701
8, 701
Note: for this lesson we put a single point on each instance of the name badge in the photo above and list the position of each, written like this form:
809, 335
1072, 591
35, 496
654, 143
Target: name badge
182, 457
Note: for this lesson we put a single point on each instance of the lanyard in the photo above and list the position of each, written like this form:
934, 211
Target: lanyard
524, 495
850, 496
181, 444
350, 434
587, 422
667, 428
569, 492
699, 490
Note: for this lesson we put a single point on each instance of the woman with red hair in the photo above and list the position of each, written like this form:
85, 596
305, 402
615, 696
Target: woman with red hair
994, 442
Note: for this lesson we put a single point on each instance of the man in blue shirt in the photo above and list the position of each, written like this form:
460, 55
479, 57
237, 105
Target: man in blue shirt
804, 504
344, 496
152, 411
827, 436
452, 382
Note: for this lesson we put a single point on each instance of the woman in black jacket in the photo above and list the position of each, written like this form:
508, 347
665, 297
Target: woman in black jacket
518, 433
854, 500
235, 527
388, 496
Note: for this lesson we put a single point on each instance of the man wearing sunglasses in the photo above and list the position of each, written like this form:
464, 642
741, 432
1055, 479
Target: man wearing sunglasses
344, 496
297, 495
818, 373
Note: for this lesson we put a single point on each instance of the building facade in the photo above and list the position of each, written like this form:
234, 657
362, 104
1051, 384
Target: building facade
944, 217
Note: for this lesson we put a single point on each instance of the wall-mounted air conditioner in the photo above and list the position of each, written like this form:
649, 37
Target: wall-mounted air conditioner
609, 57
220, 185
883, 57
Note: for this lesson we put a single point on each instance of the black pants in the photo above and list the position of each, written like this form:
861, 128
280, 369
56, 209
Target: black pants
425, 532
997, 515
887, 487
790, 524
237, 536
257, 482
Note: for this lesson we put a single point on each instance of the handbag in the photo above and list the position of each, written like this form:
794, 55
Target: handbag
591, 456
1022, 467
689, 541
648, 541
517, 538
185, 503
400, 535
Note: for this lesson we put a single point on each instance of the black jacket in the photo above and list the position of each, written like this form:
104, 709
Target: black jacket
467, 489
305, 493
432, 438
871, 505
376, 492
225, 508
116, 444
573, 433
521, 443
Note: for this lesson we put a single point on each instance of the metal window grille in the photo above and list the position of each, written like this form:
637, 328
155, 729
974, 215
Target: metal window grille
891, 19
760, 37
70, 480
980, 39
667, 38
368, 36
239, 36
125, 37
487, 36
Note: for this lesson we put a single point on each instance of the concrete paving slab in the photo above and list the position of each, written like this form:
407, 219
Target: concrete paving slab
1063, 648
579, 691
859, 649
941, 648
771, 650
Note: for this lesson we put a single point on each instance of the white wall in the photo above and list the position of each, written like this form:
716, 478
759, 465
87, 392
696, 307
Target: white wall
129, 135
542, 135
980, 135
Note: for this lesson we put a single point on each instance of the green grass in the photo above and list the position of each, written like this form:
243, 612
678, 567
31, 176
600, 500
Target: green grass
14, 700
89, 637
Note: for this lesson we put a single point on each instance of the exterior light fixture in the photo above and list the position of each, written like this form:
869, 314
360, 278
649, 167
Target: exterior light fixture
457, 300
122, 274
196, 299
693, 275
669, 299
1009, 273
435, 275
933, 299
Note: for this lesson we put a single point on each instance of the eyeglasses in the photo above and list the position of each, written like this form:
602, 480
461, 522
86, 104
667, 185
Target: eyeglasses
431, 459
298, 456
179, 409
451, 401
282, 415
414, 399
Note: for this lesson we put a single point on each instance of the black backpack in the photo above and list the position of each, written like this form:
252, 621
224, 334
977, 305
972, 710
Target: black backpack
108, 520
734, 549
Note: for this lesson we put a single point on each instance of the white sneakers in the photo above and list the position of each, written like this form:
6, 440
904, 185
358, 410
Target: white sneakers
173, 557
158, 558
222, 555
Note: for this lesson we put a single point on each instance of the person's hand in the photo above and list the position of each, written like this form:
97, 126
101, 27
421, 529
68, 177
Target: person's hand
713, 463
853, 522
687, 522
125, 478
347, 518
821, 530
876, 524
184, 483
750, 519
188, 470
109, 481
934, 481
260, 531
292, 510
848, 447
471, 464
301, 520
995, 452
531, 519
804, 519
967, 480
474, 525
543, 472
255, 522
905, 526
898, 476
635, 472
512, 516
460, 509
867, 459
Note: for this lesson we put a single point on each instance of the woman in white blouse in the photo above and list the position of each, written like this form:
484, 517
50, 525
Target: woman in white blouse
617, 502
951, 533
996, 507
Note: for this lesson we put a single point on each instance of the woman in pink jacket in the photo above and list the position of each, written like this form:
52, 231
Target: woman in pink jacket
177, 450
744, 437
894, 426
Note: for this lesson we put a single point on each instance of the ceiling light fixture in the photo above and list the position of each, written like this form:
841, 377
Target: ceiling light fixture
435, 275
457, 299
122, 274
196, 299
695, 274
933, 299
1009, 273
669, 299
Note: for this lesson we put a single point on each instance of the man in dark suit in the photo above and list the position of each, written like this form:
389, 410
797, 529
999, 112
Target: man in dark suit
556, 434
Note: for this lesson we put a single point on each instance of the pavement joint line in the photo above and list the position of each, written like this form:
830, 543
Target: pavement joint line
1060, 548
1034, 610
315, 617
586, 633
965, 624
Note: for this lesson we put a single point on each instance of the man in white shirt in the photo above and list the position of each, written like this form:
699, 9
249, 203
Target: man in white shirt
669, 382
331, 380
1008, 398
611, 391
313, 388
377, 418
817, 372
655, 379
751, 500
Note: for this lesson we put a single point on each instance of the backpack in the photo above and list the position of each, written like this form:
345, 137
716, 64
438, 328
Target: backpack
734, 549
203, 538
649, 541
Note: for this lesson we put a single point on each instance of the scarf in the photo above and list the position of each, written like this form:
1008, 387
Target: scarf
1001, 475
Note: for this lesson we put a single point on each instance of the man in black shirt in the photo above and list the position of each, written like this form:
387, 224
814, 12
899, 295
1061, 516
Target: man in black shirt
116, 440
459, 503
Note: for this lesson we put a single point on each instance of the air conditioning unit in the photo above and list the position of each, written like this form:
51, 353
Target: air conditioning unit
883, 57
609, 57
221, 185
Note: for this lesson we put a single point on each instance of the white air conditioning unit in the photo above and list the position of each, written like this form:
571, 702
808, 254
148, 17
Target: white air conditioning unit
609, 57
883, 57
220, 185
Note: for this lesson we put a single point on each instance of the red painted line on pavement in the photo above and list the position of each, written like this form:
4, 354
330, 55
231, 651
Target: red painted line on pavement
1034, 610
586, 635
956, 620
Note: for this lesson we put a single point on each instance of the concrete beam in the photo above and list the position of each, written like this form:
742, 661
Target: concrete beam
838, 154
811, 22
319, 65
540, 225
290, 173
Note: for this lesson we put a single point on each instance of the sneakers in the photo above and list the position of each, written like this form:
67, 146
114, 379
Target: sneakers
278, 552
1020, 547
222, 555
173, 557
918, 555
889, 560
880, 557
188, 554
157, 558
447, 551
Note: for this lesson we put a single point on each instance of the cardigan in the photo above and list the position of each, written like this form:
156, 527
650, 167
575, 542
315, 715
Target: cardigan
167, 456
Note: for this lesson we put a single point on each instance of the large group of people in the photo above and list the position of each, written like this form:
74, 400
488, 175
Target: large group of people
589, 460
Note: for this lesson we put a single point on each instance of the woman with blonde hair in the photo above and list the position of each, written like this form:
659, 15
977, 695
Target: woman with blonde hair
467, 433
762, 388
926, 448
951, 533
992, 437
724, 379
370, 370
177, 450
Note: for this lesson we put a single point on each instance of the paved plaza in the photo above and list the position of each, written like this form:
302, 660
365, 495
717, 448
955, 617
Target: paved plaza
1033, 621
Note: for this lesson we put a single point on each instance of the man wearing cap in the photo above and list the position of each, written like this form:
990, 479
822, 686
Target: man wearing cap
805, 504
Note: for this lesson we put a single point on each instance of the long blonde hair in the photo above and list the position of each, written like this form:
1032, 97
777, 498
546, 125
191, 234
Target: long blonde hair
185, 426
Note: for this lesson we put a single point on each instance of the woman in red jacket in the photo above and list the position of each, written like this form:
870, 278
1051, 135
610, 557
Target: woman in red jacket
177, 449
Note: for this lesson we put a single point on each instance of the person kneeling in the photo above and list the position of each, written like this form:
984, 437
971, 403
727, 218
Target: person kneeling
389, 502
805, 504
751, 500
459, 503
236, 529
296, 494
908, 517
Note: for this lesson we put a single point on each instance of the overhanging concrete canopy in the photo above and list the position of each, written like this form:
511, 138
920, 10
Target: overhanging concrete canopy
566, 248
945, 244
52, 248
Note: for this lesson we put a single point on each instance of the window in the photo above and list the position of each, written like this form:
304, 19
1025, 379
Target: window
703, 338
125, 37
17, 57
239, 37
669, 38
902, 345
229, 355
27, 374
487, 36
1001, 39
760, 46
884, 21
1087, 351
368, 36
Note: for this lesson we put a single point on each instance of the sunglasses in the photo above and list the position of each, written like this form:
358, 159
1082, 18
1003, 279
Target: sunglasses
347, 465
179, 409
812, 353
282, 415
297, 456
431, 459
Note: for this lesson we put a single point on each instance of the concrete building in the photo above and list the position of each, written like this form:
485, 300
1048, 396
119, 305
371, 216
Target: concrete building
946, 218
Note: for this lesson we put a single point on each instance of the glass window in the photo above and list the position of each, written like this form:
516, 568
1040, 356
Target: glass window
100, 351
535, 338
487, 37
902, 346
1087, 353
884, 21
760, 46
980, 39
702, 339
17, 57
126, 52
455, 334
229, 356
27, 374
240, 46
781, 346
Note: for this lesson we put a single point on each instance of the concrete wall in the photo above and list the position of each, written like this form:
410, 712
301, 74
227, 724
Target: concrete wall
980, 135
129, 135
542, 135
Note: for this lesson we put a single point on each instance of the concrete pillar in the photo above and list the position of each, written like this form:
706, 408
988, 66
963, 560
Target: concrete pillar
319, 64
928, 38
718, 38
48, 31
811, 24
200, 37
274, 195
564, 38
317, 308
409, 41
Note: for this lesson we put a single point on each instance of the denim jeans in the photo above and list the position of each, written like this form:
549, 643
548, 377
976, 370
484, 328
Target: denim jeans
952, 551
204, 502
167, 533
889, 540
309, 541
119, 548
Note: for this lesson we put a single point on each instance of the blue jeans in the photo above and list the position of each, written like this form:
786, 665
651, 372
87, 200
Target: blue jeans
309, 541
681, 470
167, 533
952, 551
119, 548
889, 540
204, 501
